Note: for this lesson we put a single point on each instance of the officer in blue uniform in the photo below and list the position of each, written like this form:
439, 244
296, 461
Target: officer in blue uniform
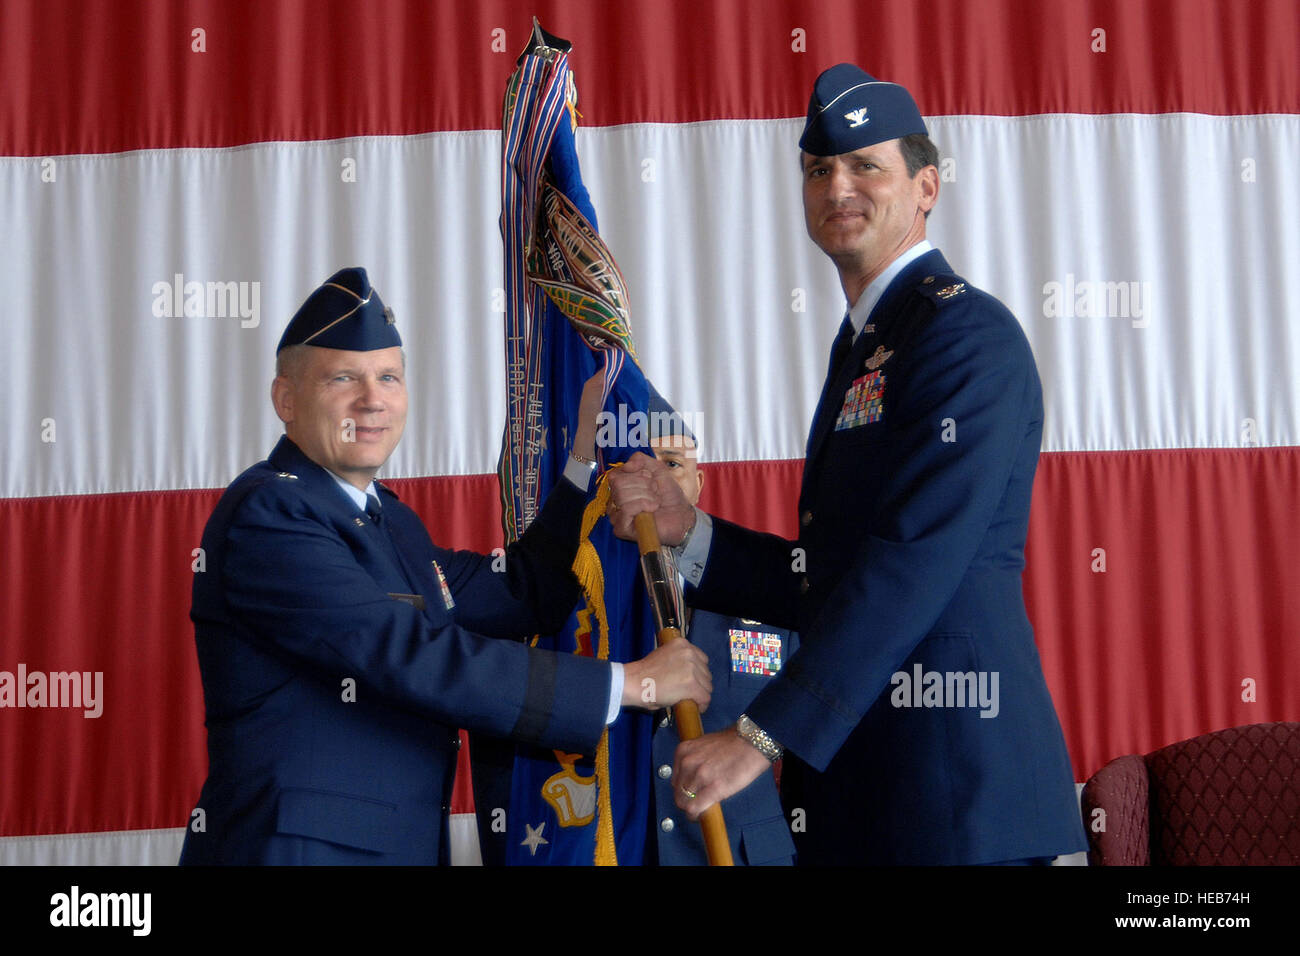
743, 656
915, 721
340, 649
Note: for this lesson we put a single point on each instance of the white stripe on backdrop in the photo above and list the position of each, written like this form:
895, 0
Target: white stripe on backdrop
1152, 219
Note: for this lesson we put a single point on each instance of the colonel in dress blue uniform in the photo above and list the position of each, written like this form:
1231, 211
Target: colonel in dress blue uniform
340, 649
917, 726
743, 656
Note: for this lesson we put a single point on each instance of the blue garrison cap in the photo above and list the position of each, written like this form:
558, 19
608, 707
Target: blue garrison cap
665, 421
850, 109
344, 313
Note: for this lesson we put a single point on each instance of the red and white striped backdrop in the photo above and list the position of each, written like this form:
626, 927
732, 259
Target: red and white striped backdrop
1160, 153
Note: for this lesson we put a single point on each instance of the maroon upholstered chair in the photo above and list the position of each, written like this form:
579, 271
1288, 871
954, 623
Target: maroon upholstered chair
1231, 797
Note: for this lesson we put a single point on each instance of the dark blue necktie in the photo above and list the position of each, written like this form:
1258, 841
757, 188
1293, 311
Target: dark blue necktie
841, 346
376, 515
840, 349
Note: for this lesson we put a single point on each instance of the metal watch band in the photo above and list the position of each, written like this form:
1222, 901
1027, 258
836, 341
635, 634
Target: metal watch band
761, 740
681, 548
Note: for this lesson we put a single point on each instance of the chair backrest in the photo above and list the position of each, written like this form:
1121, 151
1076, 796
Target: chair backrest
1230, 797
1116, 813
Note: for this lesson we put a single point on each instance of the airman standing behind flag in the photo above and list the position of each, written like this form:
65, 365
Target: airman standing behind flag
744, 655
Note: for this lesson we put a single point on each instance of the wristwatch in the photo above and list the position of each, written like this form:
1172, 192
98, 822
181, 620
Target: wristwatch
763, 743
680, 549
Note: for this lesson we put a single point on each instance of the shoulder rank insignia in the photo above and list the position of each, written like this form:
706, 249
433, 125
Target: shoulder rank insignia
754, 652
878, 358
285, 474
957, 288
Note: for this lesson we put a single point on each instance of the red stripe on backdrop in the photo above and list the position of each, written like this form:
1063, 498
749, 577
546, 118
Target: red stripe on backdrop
1198, 594
102, 583
111, 76
1199, 547
763, 495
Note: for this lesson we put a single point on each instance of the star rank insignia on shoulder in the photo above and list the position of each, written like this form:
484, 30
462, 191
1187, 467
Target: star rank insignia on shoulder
878, 358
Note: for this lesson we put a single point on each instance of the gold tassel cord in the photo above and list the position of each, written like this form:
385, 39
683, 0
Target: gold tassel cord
591, 578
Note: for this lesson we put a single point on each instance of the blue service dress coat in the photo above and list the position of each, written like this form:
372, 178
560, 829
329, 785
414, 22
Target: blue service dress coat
760, 835
913, 513
335, 675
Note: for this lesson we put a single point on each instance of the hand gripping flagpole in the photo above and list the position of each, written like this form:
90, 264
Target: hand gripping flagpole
686, 713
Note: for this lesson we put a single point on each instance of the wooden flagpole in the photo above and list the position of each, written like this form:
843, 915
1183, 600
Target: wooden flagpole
686, 713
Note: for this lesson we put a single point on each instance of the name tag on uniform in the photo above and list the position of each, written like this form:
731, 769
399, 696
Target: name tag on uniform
754, 652
863, 402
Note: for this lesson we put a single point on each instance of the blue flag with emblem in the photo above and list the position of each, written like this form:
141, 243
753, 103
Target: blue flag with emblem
566, 318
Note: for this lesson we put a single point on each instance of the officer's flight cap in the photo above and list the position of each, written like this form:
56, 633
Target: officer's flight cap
665, 421
850, 109
344, 313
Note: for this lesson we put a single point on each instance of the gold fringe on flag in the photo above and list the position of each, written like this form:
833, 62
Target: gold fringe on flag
591, 578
